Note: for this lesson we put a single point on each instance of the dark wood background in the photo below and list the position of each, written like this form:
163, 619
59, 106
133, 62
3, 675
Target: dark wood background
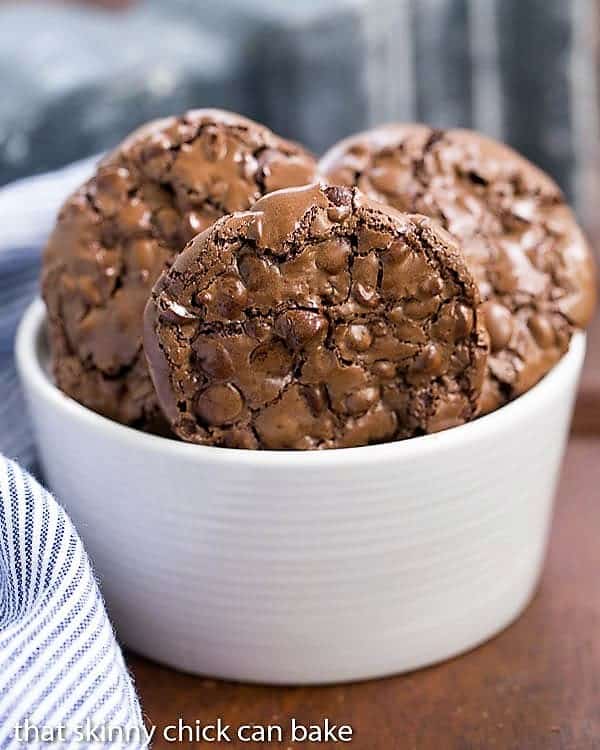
536, 686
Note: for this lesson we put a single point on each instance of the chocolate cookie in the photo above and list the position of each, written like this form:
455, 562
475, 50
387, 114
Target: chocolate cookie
533, 266
165, 183
318, 319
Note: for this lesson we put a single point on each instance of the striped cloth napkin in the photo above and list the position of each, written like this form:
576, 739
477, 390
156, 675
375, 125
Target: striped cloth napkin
63, 680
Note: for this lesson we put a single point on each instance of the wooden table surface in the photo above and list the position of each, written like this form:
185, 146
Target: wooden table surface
536, 686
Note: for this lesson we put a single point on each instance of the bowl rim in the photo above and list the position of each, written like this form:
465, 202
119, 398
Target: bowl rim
28, 347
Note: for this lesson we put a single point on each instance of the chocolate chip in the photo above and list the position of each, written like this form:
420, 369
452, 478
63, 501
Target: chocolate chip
213, 358
364, 295
359, 337
230, 297
299, 328
362, 400
499, 323
219, 404
542, 330
429, 360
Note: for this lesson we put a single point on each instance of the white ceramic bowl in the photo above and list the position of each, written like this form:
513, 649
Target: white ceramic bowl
291, 567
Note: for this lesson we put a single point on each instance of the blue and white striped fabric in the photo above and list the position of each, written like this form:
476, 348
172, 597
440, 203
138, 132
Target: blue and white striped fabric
63, 680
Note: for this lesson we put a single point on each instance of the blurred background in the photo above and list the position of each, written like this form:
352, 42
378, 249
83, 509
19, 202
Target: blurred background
75, 77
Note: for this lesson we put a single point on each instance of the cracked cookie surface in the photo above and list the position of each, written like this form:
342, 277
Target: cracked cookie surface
165, 183
319, 319
533, 266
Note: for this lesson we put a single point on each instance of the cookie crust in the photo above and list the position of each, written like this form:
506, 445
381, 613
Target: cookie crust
165, 183
533, 265
319, 319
